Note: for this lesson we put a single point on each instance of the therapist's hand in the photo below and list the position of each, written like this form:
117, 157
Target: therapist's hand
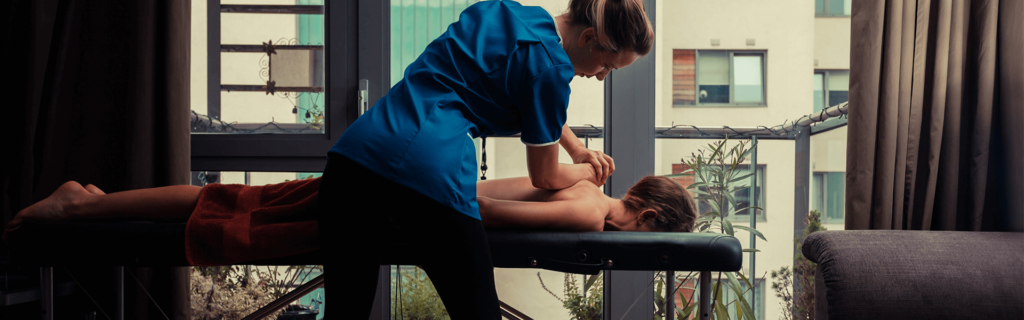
603, 164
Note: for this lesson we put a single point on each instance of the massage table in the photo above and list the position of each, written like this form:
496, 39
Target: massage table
149, 244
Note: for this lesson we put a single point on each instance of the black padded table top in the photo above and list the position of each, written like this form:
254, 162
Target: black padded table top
162, 244
590, 252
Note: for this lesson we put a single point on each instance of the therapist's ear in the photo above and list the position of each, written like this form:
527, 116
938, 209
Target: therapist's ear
588, 35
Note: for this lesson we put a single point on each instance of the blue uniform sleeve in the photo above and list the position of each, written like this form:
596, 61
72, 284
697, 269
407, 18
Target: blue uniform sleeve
543, 105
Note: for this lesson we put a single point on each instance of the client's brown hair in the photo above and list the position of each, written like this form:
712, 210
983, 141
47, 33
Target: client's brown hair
675, 207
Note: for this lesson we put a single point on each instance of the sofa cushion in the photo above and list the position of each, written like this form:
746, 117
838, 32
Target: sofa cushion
894, 274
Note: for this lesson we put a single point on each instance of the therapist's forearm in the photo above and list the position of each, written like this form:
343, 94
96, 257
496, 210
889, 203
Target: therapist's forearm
564, 176
569, 141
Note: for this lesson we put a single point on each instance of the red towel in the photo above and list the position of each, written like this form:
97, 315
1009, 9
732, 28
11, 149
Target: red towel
236, 223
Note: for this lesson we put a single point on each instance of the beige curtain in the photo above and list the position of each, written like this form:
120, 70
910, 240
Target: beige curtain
935, 123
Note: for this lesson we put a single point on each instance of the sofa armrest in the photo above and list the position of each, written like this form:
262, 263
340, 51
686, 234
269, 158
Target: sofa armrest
893, 274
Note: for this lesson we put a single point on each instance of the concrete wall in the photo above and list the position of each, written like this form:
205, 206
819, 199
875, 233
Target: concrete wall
832, 43
784, 29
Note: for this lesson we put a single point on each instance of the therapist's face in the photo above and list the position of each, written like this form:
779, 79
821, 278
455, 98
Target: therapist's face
589, 60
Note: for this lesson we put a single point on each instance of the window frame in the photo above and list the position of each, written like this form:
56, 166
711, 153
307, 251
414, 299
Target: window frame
762, 202
825, 219
825, 6
285, 152
732, 92
824, 85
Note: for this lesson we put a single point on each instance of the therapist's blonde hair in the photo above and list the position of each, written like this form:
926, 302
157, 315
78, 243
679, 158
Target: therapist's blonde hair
620, 24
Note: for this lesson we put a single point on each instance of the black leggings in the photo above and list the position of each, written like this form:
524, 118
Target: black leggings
379, 215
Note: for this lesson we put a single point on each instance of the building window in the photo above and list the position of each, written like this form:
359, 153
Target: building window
831, 88
743, 199
718, 77
832, 8
828, 196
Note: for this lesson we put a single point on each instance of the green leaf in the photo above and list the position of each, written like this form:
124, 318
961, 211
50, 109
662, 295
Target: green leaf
745, 208
657, 289
751, 250
744, 278
739, 294
732, 199
720, 310
740, 178
688, 173
728, 227
685, 313
715, 207
754, 231
705, 218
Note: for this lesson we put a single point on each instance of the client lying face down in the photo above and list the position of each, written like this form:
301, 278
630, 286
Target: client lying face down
653, 204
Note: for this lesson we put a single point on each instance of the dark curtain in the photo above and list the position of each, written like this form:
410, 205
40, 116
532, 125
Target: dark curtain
98, 92
935, 122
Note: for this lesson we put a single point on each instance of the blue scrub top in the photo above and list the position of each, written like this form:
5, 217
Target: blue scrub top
498, 70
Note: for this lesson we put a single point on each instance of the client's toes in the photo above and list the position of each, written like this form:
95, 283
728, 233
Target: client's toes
94, 190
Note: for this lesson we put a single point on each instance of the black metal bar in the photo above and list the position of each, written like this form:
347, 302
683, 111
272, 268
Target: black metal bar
263, 88
670, 296
260, 48
249, 8
753, 221
828, 125
204, 124
119, 293
512, 313
801, 192
265, 164
287, 298
212, 59
47, 295
704, 310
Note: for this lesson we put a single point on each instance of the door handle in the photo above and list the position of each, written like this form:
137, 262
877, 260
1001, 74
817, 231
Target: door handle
363, 97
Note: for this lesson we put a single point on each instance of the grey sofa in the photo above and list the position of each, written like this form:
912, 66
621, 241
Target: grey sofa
884, 274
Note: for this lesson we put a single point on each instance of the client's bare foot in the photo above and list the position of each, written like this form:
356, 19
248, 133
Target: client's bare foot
55, 207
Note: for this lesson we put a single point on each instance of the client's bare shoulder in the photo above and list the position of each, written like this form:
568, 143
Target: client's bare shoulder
587, 198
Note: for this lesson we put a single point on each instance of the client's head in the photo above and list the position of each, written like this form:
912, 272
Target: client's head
662, 203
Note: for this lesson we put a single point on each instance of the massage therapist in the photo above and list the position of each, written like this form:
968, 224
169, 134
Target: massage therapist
405, 172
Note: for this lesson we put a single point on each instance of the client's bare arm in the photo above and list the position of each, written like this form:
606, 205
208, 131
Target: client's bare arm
514, 202
569, 215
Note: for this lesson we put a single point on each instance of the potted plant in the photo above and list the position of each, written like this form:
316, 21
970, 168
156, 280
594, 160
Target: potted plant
233, 292
798, 305
583, 304
717, 177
